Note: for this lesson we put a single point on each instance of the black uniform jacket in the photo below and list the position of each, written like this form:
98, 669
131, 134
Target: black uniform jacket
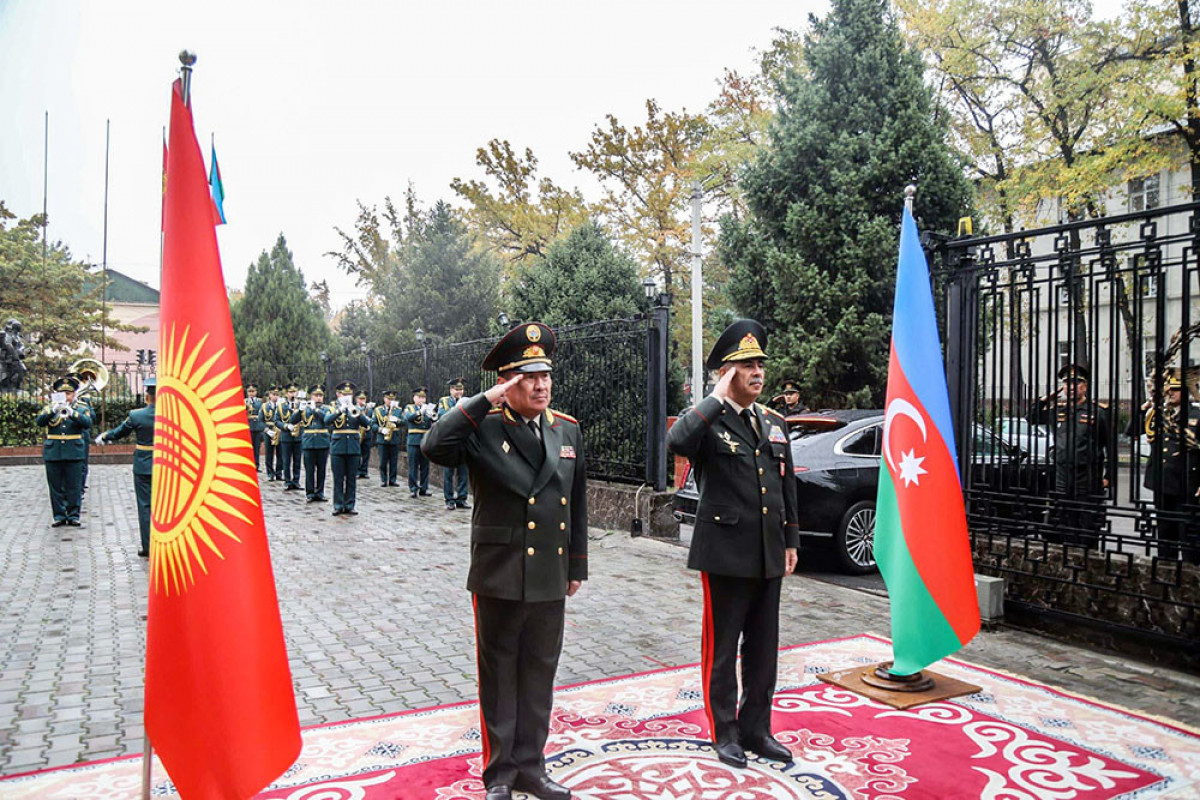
529, 521
747, 512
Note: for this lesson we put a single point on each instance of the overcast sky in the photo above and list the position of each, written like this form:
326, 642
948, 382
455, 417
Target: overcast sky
314, 105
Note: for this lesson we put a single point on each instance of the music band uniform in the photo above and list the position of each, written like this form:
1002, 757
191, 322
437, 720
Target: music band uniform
314, 442
366, 435
344, 447
418, 422
63, 454
528, 541
140, 423
289, 441
1173, 473
268, 417
454, 479
388, 437
254, 406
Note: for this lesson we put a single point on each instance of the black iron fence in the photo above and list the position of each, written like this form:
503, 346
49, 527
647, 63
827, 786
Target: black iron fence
1077, 499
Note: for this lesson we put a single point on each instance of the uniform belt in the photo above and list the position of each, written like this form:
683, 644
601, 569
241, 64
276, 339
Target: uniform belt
315, 430
418, 430
149, 447
345, 433
64, 437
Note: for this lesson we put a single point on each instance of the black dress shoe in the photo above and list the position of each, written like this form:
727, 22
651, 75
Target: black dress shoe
542, 787
74, 523
393, 483
413, 492
731, 753
350, 511
144, 553
499, 793
322, 498
424, 494
767, 747
337, 512
450, 506
462, 505
58, 523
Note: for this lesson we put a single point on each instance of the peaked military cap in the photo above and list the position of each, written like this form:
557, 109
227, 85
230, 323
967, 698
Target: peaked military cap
389, 394
1073, 372
274, 387
419, 390
790, 386
250, 386
346, 387
526, 348
1173, 382
363, 394
456, 383
292, 387
743, 340
150, 383
67, 383
315, 388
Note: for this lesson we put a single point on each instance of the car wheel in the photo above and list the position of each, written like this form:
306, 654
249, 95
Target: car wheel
855, 539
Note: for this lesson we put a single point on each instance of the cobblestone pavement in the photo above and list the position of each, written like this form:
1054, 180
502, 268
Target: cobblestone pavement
377, 620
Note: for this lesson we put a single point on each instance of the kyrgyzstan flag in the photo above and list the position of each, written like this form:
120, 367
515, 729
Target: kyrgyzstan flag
219, 707
921, 542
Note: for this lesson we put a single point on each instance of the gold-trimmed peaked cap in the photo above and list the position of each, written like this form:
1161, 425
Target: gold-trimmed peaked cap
1074, 372
67, 383
743, 340
526, 348
345, 387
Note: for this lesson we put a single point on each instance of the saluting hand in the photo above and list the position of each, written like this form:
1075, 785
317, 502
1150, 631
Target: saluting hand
497, 392
721, 390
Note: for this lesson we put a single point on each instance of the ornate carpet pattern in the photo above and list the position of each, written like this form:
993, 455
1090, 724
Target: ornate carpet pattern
644, 737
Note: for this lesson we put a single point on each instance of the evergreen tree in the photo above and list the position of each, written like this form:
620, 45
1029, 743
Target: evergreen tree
280, 330
815, 262
582, 278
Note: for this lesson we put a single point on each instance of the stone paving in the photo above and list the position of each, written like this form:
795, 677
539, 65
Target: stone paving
377, 620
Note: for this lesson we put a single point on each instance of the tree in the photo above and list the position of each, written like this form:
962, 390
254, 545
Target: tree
61, 308
524, 214
582, 278
279, 329
815, 262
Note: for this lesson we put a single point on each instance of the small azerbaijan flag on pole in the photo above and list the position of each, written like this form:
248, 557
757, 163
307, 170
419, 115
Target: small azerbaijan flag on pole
216, 189
921, 541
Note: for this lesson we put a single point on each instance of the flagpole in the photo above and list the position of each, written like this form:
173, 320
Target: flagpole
147, 760
187, 58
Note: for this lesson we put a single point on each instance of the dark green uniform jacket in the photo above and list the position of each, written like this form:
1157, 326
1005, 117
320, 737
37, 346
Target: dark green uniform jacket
141, 423
529, 522
418, 423
314, 434
343, 431
254, 409
379, 421
65, 435
285, 413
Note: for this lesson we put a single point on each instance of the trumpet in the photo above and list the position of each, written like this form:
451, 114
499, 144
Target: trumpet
63, 410
354, 412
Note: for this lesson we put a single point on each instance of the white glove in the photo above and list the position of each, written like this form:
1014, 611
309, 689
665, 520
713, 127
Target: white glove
100, 439
428, 408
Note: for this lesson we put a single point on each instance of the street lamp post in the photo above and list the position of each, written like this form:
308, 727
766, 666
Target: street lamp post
424, 357
366, 351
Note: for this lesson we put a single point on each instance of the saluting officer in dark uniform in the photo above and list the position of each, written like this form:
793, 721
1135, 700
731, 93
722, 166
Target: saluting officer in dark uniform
268, 417
1081, 460
366, 435
745, 540
454, 479
314, 441
388, 424
140, 422
67, 425
289, 441
1176, 484
418, 416
343, 421
788, 402
254, 406
528, 549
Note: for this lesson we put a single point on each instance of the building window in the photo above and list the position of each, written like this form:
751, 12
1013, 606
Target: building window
1064, 354
1143, 193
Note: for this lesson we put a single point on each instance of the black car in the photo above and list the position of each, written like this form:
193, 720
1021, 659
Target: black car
836, 458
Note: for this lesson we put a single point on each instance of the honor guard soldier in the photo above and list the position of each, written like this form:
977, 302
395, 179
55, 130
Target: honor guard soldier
254, 406
1173, 473
140, 422
366, 435
1081, 458
454, 479
289, 438
528, 550
418, 416
268, 417
788, 401
388, 424
343, 421
83, 379
744, 542
314, 441
67, 423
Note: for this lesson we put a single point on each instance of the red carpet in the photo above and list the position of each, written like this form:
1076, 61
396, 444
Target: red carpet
644, 737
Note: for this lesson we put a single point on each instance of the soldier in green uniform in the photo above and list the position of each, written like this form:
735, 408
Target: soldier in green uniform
314, 441
140, 422
1081, 458
83, 380
366, 435
528, 550
67, 423
268, 418
788, 402
343, 421
289, 438
1174, 473
454, 479
254, 406
418, 417
388, 424
744, 542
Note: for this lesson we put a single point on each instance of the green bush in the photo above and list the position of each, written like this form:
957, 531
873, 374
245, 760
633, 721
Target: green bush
17, 415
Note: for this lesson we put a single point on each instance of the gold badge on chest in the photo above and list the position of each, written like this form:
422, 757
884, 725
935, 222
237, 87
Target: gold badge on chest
727, 439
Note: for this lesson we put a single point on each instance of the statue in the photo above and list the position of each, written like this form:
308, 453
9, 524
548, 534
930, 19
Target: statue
12, 356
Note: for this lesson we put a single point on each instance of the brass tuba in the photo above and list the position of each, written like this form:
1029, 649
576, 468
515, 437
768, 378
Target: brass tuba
92, 373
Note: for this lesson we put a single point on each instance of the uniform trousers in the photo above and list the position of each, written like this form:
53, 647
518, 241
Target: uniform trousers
745, 609
364, 458
314, 472
291, 463
454, 483
1174, 531
141, 489
345, 481
418, 470
65, 480
273, 458
389, 463
256, 438
517, 646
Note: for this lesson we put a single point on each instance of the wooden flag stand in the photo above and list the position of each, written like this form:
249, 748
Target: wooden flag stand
878, 682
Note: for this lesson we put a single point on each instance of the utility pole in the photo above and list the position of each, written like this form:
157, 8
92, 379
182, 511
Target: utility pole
697, 301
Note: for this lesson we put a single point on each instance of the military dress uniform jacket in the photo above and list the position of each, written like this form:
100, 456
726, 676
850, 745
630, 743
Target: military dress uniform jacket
343, 432
1180, 456
286, 411
314, 435
268, 417
65, 436
1081, 442
379, 421
140, 422
529, 522
418, 423
747, 514
254, 410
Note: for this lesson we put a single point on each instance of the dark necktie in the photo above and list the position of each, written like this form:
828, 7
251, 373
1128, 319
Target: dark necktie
748, 418
536, 428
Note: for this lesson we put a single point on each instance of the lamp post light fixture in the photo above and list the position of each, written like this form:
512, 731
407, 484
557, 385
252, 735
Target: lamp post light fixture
649, 286
502, 319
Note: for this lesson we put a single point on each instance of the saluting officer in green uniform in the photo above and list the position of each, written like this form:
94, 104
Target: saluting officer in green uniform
1081, 458
366, 435
418, 416
140, 422
268, 417
788, 402
289, 439
454, 479
254, 406
67, 423
314, 442
388, 424
343, 421
528, 550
